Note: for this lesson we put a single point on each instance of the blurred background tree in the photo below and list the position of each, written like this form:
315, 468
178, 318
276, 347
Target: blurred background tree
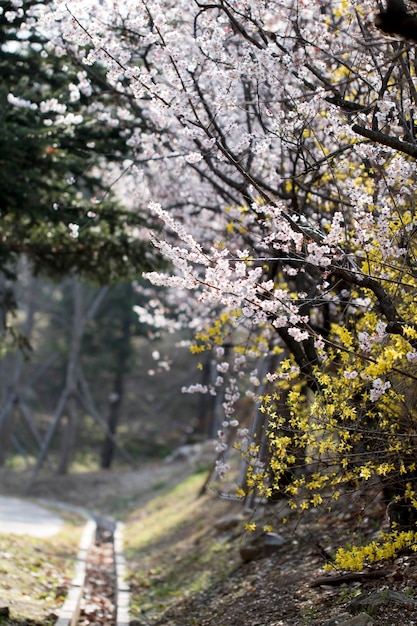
63, 153
62, 145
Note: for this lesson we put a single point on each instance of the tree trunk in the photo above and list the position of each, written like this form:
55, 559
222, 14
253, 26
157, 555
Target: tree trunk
6, 431
68, 434
116, 398
11, 365
77, 330
108, 449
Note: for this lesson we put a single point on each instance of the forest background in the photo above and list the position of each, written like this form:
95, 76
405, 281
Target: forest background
74, 353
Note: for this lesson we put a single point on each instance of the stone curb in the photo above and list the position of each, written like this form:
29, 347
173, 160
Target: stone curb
70, 611
122, 599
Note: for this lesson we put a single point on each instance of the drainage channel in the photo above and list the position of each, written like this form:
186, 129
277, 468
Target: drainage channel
98, 600
98, 593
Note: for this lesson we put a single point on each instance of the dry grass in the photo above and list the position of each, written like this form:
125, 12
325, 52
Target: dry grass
35, 573
185, 573
173, 549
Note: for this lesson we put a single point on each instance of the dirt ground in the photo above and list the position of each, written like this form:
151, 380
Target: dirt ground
268, 589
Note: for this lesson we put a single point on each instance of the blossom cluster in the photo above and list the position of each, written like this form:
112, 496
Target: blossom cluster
279, 162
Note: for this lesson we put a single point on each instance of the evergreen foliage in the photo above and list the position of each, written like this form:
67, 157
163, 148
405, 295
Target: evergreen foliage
62, 145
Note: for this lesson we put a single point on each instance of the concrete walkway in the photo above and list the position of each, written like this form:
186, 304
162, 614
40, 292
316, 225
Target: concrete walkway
20, 517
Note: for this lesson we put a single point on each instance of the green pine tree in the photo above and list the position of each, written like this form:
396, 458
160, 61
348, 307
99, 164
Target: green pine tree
59, 134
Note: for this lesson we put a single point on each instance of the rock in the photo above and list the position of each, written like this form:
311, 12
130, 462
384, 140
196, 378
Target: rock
273, 540
371, 601
261, 546
194, 453
363, 619
272, 543
229, 521
250, 553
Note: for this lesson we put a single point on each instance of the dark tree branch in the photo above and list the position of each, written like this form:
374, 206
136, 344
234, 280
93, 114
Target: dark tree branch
391, 142
395, 20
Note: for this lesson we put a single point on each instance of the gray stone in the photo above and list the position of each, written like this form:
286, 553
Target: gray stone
273, 540
261, 546
272, 543
229, 521
194, 453
370, 602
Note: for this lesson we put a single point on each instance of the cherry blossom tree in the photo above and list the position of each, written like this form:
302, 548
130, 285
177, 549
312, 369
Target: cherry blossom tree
276, 147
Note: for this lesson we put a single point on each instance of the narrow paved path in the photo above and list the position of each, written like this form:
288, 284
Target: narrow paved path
98, 593
25, 518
